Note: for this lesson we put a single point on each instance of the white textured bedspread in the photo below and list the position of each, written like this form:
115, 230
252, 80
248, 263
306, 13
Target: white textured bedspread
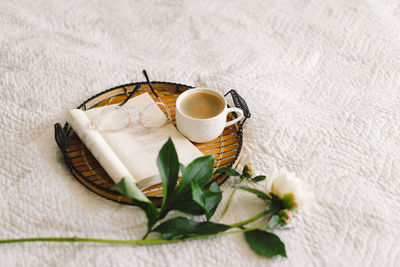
322, 80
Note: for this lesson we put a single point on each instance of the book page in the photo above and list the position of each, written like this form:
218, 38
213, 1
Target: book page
137, 147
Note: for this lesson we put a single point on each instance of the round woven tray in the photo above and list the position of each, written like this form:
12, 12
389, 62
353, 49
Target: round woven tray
226, 148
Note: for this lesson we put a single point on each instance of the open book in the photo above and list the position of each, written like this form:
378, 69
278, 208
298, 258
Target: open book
131, 152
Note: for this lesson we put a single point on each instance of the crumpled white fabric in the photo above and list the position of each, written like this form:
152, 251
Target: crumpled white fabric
321, 78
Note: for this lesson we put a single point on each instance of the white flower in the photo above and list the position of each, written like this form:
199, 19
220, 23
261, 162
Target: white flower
288, 187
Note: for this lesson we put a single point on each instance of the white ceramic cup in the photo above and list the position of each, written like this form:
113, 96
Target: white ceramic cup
204, 130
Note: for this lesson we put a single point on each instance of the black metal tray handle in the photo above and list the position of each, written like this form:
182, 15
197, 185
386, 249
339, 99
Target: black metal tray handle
62, 142
240, 103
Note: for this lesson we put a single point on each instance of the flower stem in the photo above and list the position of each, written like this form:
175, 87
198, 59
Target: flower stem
253, 219
76, 239
117, 241
230, 200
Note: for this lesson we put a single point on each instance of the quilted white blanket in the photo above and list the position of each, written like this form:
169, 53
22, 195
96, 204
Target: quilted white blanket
321, 77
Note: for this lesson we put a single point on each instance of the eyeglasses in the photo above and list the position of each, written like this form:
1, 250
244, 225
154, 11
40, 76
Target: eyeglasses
114, 119
121, 117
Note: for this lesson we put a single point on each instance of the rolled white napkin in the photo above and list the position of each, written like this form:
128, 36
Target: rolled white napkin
96, 144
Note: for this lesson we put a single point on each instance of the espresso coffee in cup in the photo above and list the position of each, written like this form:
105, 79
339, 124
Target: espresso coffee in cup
201, 114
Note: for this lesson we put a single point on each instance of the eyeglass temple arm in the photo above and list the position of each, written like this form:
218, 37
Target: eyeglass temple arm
129, 96
149, 83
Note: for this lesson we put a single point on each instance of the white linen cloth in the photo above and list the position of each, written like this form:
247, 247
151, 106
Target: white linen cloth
321, 78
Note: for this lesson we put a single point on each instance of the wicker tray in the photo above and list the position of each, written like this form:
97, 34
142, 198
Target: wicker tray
85, 168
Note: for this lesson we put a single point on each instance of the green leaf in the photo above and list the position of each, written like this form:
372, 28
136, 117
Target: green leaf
183, 167
253, 190
168, 165
265, 243
198, 194
227, 170
259, 178
128, 189
209, 199
213, 197
180, 227
199, 170
188, 206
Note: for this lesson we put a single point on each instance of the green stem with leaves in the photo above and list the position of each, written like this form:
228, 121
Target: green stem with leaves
139, 241
203, 202
118, 241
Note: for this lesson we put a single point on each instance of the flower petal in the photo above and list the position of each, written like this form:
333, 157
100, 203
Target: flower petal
281, 182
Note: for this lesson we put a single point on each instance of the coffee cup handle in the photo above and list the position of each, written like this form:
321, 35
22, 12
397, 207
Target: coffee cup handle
238, 110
